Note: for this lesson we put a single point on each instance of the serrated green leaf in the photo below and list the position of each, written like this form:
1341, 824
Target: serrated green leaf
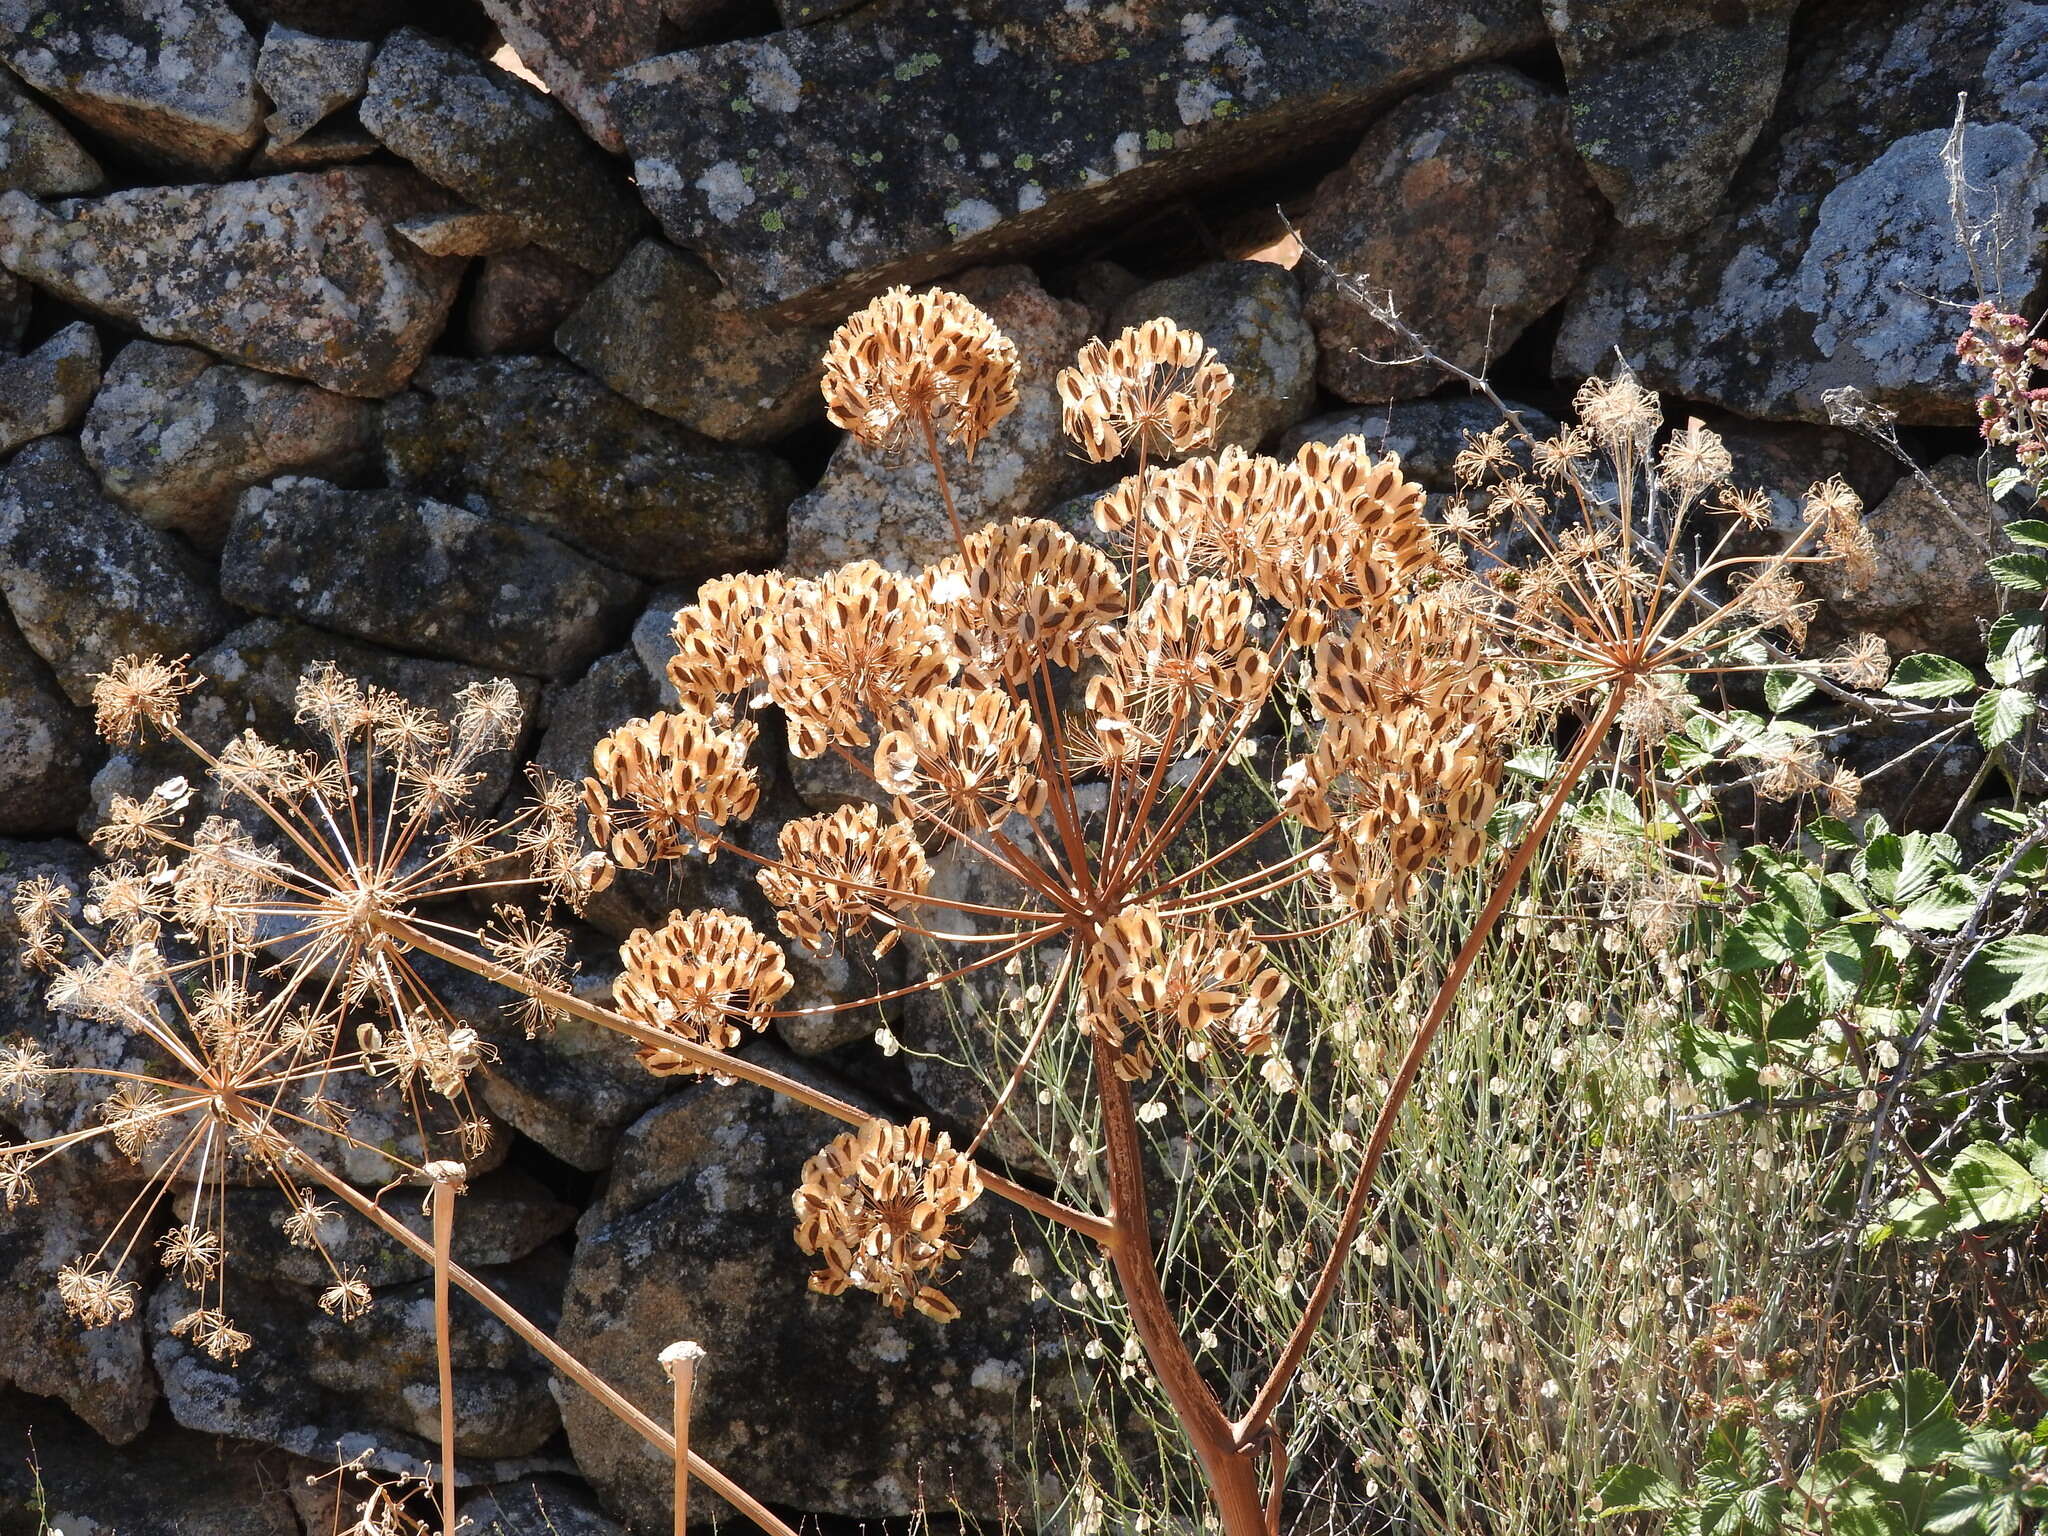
1632, 1489
2006, 481
2006, 973
1987, 1185
1833, 834
2020, 573
1910, 1424
1925, 676
1785, 690
2017, 647
2001, 715
2028, 530
1943, 909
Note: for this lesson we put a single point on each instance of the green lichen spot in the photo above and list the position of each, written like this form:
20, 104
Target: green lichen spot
744, 107
771, 221
951, 144
917, 64
1158, 139
1223, 108
1022, 162
881, 186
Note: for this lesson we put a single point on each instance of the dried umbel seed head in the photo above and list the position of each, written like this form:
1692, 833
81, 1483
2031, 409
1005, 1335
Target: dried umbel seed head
909, 362
1189, 992
1185, 669
138, 691
1844, 537
699, 976
1019, 591
1156, 388
1621, 415
842, 871
848, 650
965, 758
876, 1207
662, 785
722, 638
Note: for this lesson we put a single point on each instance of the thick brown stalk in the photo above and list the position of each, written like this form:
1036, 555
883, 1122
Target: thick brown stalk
614, 1401
441, 1198
1248, 1429
679, 1360
1232, 1473
1087, 1224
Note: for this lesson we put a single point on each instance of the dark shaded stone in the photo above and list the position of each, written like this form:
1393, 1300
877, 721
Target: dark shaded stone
519, 299
172, 80
299, 274
1834, 259
176, 437
545, 444
663, 333
901, 142
487, 135
1930, 591
1468, 205
401, 570
49, 389
48, 749
37, 155
88, 581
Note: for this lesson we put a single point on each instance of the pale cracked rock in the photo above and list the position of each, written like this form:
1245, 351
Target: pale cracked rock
176, 436
299, 274
1470, 206
88, 581
49, 389
48, 749
1833, 261
1250, 312
576, 46
812, 166
172, 80
101, 1374
307, 78
663, 333
533, 439
502, 145
692, 1241
310, 1382
405, 571
1667, 97
877, 506
37, 155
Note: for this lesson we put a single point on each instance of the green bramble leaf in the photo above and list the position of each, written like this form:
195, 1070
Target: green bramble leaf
2028, 530
2001, 715
2017, 647
2006, 973
2020, 573
1784, 690
1924, 676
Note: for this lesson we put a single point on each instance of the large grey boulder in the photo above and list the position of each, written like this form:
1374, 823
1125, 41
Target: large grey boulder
903, 141
174, 81
176, 436
298, 274
575, 47
416, 574
538, 441
1469, 208
1834, 260
89, 582
486, 134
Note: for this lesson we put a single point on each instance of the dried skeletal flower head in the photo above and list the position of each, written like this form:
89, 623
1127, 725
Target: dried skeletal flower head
698, 977
1156, 388
1863, 661
138, 691
911, 363
876, 1207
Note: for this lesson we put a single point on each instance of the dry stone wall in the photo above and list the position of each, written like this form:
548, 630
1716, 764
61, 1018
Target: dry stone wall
464, 337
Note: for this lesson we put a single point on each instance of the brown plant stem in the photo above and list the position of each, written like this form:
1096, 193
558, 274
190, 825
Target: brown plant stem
679, 1362
1231, 1471
616, 1402
441, 1201
1247, 1430
1084, 1222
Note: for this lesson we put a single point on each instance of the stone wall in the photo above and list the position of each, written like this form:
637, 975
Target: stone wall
467, 348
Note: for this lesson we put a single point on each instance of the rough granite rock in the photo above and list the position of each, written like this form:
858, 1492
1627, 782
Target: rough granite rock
538, 1506
465, 232
49, 389
1931, 591
37, 153
102, 1374
307, 77
1667, 97
311, 1383
402, 570
519, 298
250, 677
575, 47
176, 437
88, 581
1469, 205
545, 444
170, 1483
901, 142
325, 147
663, 333
692, 1241
487, 135
48, 749
299, 274
172, 80
1785, 458
1833, 260
870, 506
1250, 312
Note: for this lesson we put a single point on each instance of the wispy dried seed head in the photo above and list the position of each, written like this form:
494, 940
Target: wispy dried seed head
348, 1298
1622, 415
95, 1297
210, 1330
1863, 661
1694, 458
138, 691
911, 360
876, 1207
1156, 388
699, 976
1844, 537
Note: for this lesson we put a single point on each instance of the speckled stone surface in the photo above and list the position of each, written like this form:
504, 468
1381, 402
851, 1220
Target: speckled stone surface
896, 143
50, 388
38, 155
